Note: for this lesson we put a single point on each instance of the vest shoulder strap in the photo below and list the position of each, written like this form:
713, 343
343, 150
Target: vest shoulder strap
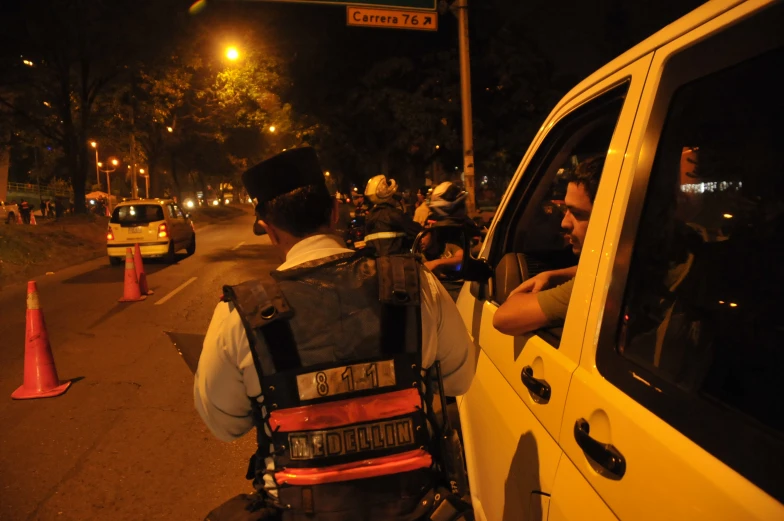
264, 310
399, 292
398, 280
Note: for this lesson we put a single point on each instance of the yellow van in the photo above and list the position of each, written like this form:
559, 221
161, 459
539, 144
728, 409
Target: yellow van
659, 396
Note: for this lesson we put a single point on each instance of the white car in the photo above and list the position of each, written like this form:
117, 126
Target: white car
8, 212
159, 226
660, 395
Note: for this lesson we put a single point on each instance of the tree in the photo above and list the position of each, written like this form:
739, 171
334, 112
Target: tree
73, 52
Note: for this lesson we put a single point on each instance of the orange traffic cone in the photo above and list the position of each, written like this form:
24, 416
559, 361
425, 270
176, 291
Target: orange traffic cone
140, 275
32, 219
40, 374
19, 218
131, 292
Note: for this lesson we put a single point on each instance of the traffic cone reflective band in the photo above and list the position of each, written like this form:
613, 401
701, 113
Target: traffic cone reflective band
131, 292
140, 275
40, 374
32, 219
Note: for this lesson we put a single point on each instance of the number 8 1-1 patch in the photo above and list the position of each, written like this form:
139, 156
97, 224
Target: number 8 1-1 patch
346, 379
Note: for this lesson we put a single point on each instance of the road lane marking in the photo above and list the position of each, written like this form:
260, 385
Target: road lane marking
237, 246
175, 291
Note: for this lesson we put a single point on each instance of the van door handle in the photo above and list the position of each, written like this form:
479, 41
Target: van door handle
603, 454
539, 389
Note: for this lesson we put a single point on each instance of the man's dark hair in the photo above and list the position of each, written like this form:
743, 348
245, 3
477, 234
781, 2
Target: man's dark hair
301, 212
587, 173
423, 190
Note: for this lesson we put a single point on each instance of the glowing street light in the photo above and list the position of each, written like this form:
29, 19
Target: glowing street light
170, 129
272, 128
108, 171
146, 183
326, 173
94, 144
232, 53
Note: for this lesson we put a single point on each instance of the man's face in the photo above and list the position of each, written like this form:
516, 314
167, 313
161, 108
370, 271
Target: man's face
578, 213
426, 241
420, 197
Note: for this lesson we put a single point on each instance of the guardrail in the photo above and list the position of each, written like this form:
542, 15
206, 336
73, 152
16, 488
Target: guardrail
43, 190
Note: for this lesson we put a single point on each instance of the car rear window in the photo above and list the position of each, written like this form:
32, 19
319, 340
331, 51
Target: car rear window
137, 214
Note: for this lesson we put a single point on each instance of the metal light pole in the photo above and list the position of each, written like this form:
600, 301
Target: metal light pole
97, 172
465, 98
109, 182
146, 177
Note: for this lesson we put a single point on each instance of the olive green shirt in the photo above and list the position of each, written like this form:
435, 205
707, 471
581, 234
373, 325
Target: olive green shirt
555, 301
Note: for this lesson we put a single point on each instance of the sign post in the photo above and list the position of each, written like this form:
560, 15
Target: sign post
465, 99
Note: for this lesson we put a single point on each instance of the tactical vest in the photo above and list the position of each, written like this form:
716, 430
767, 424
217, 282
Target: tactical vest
337, 346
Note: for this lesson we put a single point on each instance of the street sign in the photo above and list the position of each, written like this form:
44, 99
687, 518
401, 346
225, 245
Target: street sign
392, 18
400, 4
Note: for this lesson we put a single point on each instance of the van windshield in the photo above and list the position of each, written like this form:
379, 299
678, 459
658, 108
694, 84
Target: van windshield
137, 214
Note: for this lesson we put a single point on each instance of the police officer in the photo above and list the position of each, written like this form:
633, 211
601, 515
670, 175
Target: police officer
388, 229
327, 361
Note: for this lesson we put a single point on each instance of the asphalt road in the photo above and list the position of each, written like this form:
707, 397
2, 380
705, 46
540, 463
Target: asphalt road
124, 443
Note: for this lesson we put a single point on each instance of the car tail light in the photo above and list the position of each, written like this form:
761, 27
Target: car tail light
109, 235
163, 231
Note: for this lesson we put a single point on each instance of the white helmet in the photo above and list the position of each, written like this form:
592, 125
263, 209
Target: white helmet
447, 200
379, 190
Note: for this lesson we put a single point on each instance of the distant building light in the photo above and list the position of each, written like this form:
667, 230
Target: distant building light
711, 186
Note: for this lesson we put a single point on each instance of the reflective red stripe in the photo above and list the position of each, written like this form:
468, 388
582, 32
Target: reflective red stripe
346, 412
369, 468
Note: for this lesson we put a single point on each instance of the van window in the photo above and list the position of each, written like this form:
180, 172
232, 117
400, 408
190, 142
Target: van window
532, 223
137, 214
703, 317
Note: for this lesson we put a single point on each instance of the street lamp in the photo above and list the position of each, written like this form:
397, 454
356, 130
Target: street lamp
97, 173
146, 183
170, 129
272, 128
232, 54
108, 171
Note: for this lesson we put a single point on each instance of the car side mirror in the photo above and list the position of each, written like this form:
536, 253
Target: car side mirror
446, 251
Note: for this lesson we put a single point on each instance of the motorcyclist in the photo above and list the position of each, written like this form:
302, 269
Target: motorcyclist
443, 250
448, 206
388, 228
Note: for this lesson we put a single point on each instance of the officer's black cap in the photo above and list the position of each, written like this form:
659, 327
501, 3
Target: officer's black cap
283, 173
